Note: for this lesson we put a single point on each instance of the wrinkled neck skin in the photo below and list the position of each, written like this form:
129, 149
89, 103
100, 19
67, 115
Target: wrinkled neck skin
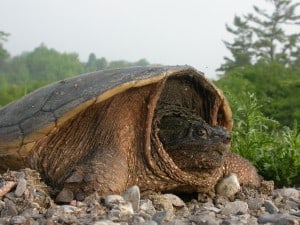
184, 152
189, 153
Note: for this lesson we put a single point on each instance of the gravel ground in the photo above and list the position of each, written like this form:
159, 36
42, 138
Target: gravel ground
24, 199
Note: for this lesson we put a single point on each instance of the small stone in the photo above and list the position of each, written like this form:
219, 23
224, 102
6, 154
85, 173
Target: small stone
105, 222
21, 187
205, 219
68, 208
147, 206
120, 209
65, 196
175, 200
236, 207
11, 209
213, 209
228, 186
138, 219
149, 222
20, 175
288, 193
73, 203
112, 200
279, 219
17, 220
126, 209
292, 204
161, 217
133, 195
270, 207
255, 203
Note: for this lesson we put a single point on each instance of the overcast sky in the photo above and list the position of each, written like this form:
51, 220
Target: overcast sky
169, 32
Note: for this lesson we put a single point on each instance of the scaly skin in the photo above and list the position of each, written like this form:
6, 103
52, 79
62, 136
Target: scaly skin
196, 156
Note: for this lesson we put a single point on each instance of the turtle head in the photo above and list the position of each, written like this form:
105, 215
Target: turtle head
192, 143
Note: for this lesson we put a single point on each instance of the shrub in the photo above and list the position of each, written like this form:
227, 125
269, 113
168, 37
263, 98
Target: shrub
273, 149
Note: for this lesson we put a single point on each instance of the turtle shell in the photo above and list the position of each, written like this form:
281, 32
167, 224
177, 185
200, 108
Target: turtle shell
121, 97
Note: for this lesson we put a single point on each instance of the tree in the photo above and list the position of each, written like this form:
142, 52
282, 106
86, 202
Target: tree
3, 53
272, 41
94, 64
262, 36
48, 64
241, 47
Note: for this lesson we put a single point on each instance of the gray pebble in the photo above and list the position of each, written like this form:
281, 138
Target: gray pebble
149, 222
236, 207
147, 207
270, 207
288, 193
17, 220
138, 219
65, 196
280, 219
105, 222
205, 219
292, 204
112, 200
255, 203
21, 187
10, 208
161, 217
171, 204
20, 175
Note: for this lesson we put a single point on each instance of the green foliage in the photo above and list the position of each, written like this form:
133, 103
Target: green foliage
262, 36
94, 64
274, 150
3, 53
277, 88
123, 63
26, 72
241, 46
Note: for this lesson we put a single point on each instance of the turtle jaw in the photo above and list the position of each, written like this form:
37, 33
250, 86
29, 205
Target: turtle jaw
193, 156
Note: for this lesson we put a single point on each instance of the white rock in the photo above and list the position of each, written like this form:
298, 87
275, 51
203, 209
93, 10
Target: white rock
112, 200
133, 195
228, 186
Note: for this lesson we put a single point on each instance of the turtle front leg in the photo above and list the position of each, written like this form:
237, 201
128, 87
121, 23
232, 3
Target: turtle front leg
105, 171
245, 171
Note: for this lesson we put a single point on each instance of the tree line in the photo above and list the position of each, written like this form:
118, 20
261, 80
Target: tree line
265, 59
261, 79
28, 71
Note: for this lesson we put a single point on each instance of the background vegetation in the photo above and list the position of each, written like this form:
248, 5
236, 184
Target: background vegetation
261, 80
22, 74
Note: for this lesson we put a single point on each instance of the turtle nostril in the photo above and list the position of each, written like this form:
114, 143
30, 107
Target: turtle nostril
227, 139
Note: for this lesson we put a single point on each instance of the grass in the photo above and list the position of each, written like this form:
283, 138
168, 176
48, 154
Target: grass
273, 149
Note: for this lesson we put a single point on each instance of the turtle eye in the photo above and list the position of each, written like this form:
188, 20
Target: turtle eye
201, 132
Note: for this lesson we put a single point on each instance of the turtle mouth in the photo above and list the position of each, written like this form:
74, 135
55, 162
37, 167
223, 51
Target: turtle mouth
197, 158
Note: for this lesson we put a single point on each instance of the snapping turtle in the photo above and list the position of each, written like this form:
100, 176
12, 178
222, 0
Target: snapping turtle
162, 128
